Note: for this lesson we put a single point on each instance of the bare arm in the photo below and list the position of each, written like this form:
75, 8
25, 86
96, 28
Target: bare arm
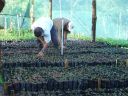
45, 46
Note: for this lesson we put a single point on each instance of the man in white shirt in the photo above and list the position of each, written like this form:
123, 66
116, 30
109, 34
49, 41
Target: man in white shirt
45, 32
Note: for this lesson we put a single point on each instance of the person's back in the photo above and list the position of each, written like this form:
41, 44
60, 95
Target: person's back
57, 22
45, 32
46, 24
67, 26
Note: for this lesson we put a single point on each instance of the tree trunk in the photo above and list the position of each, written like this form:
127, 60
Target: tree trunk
94, 19
50, 13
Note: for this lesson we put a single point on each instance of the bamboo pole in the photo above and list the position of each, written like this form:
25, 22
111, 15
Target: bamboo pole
94, 19
50, 13
62, 39
32, 12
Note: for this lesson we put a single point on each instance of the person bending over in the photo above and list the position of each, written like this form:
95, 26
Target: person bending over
45, 32
67, 28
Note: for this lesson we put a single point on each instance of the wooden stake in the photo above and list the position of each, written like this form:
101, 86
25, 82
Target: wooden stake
66, 63
94, 18
117, 62
99, 83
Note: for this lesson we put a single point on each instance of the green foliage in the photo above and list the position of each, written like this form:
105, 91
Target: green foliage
16, 35
113, 42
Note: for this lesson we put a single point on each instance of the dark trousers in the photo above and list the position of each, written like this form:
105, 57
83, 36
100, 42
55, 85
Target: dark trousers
54, 36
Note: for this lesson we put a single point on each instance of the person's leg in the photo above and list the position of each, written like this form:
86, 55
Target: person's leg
54, 36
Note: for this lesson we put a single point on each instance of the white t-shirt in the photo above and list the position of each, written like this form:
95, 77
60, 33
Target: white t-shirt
46, 24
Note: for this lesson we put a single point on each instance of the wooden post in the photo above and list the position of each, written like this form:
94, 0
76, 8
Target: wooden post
66, 63
99, 83
94, 18
116, 62
50, 13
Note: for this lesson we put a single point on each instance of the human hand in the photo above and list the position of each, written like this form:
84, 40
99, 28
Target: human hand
40, 54
64, 47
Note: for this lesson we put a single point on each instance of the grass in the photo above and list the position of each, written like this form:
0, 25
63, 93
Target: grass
113, 42
16, 35
24, 34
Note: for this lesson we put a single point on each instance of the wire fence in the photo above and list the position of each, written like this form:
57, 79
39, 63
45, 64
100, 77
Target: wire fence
108, 25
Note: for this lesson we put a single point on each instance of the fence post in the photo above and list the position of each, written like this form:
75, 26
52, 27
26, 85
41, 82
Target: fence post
94, 18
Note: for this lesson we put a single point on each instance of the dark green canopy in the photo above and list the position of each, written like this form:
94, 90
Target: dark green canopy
2, 3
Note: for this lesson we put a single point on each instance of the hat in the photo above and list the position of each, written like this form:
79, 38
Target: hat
70, 26
38, 31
